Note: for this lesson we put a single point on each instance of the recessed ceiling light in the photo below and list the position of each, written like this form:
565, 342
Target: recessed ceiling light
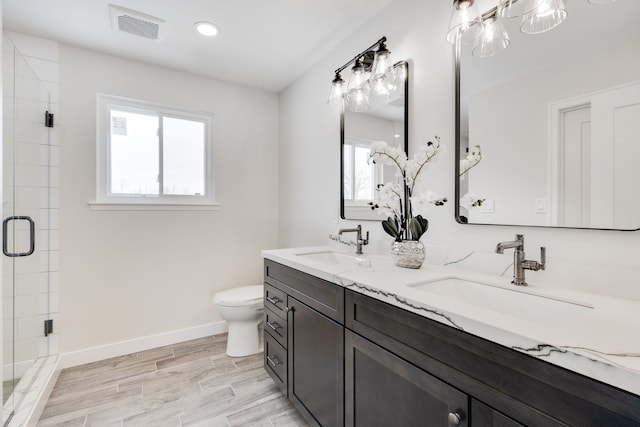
206, 28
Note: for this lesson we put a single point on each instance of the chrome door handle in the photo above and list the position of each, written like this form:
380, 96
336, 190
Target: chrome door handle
32, 236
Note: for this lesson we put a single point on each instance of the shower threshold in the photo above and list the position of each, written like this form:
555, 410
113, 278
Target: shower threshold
25, 405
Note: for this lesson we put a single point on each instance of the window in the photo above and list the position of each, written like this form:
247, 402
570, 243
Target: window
153, 155
359, 172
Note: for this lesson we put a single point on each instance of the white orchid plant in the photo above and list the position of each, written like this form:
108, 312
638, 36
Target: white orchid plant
397, 201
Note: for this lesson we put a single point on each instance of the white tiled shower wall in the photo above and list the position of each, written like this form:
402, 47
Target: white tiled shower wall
36, 296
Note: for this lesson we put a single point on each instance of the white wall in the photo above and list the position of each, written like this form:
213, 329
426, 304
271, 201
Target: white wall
600, 261
130, 274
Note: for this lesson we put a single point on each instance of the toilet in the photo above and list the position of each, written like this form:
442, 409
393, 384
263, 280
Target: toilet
243, 309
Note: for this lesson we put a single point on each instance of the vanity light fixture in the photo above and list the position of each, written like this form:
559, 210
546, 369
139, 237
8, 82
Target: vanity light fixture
537, 16
206, 28
373, 79
468, 25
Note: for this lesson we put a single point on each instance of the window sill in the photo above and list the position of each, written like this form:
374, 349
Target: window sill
113, 206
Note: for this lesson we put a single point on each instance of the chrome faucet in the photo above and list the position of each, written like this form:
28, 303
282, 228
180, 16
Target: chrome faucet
519, 263
359, 241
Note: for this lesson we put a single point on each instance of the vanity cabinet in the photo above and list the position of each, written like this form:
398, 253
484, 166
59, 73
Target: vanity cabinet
344, 358
505, 387
311, 351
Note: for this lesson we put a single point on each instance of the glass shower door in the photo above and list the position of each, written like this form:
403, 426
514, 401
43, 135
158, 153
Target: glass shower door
25, 225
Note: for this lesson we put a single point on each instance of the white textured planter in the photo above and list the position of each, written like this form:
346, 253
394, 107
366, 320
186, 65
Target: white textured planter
408, 253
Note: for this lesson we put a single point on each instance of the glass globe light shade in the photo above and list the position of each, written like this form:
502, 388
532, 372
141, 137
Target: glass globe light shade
465, 22
494, 38
338, 87
543, 16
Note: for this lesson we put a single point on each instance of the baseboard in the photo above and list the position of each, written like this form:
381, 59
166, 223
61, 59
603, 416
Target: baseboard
94, 354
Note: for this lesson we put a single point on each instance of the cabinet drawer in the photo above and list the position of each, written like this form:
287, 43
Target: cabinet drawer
322, 296
276, 327
275, 300
275, 361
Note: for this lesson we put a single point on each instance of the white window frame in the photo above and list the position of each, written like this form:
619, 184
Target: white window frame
107, 200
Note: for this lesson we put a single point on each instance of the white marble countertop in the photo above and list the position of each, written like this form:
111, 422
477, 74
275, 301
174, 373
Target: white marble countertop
598, 336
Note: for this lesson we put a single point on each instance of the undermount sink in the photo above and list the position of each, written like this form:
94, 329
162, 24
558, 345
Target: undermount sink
335, 258
514, 302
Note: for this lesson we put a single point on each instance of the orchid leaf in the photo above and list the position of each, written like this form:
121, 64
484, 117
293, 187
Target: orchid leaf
418, 226
390, 227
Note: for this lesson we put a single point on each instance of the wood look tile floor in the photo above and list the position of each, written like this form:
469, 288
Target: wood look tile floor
188, 384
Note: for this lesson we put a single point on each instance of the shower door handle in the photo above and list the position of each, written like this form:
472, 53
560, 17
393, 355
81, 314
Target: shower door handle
32, 236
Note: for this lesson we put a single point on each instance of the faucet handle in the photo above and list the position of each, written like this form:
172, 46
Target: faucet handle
543, 257
365, 241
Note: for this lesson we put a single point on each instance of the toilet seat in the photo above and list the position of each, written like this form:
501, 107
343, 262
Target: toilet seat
242, 296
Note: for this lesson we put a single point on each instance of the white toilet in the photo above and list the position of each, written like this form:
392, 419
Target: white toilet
243, 309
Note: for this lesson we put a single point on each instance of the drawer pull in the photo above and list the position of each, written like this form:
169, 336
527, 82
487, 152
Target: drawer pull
274, 361
274, 300
274, 326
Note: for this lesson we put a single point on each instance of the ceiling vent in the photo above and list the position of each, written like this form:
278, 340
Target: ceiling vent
133, 22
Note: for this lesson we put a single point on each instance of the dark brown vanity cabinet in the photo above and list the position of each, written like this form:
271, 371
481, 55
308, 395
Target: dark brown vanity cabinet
503, 387
344, 358
311, 310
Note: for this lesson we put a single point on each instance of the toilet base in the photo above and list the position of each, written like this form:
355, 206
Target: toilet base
244, 338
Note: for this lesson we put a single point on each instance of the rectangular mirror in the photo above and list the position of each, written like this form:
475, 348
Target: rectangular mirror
384, 121
557, 119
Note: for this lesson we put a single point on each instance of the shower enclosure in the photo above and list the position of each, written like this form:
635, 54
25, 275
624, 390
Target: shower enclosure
26, 232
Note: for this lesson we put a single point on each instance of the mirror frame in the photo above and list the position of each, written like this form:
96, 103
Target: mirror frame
457, 51
406, 139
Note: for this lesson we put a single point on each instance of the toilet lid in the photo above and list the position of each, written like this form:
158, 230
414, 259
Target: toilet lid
245, 295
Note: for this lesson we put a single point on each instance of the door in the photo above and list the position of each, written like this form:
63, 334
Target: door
315, 359
382, 390
615, 132
25, 232
574, 195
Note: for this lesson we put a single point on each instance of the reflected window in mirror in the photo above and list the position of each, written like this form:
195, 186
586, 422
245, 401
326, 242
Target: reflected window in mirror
384, 121
558, 117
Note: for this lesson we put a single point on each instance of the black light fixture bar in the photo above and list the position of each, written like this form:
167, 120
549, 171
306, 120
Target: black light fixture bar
361, 54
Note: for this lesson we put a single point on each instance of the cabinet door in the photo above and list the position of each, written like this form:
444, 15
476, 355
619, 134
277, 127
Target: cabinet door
382, 389
316, 371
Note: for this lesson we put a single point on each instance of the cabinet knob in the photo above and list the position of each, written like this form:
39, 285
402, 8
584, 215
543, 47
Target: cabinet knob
454, 418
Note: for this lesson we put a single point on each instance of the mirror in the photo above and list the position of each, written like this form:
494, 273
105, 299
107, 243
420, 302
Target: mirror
384, 121
557, 119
